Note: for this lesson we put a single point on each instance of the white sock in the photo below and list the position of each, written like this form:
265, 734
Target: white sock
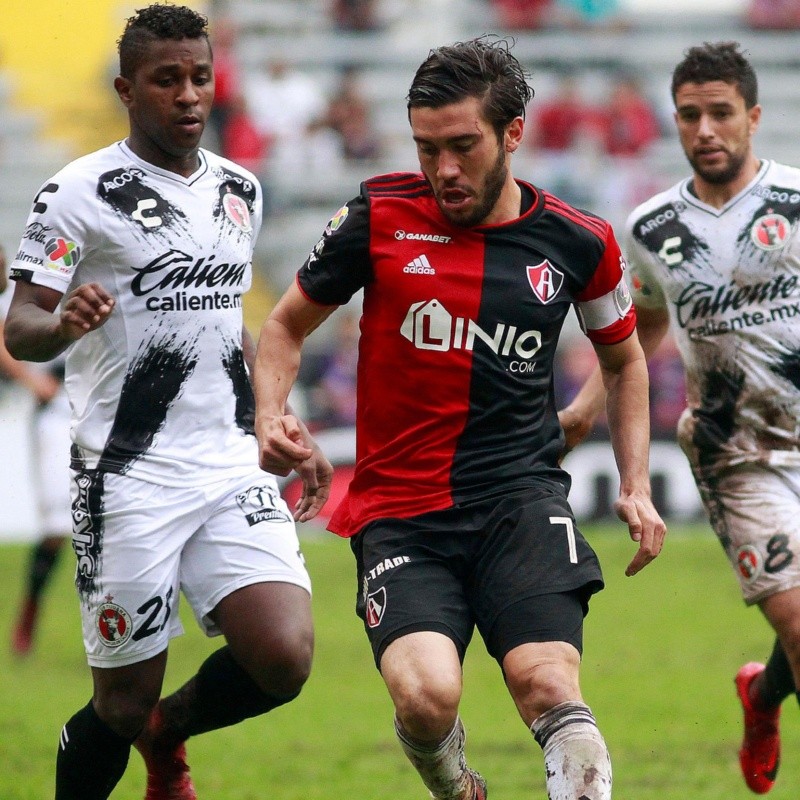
576, 758
442, 766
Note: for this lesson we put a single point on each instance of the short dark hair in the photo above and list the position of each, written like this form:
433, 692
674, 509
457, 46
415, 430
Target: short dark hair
722, 61
157, 21
483, 68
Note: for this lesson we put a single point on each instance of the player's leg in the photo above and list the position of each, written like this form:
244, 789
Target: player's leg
42, 560
415, 613
128, 537
762, 689
543, 681
244, 576
754, 512
51, 444
95, 743
534, 576
422, 672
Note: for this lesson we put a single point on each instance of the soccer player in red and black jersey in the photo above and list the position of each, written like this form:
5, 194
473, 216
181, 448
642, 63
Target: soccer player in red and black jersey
458, 511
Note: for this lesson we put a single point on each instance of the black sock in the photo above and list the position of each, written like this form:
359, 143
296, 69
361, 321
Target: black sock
778, 680
43, 559
91, 758
221, 694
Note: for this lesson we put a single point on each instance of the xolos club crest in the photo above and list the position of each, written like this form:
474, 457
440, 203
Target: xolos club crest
113, 624
545, 280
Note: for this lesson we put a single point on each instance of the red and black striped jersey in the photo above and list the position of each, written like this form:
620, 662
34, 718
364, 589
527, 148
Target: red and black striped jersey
458, 336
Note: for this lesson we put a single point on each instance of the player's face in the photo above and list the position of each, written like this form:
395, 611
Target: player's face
715, 129
168, 101
464, 162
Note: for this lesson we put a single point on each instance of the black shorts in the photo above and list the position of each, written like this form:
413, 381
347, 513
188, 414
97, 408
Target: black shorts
515, 565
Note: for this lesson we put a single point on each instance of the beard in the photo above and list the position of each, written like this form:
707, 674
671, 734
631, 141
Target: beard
489, 195
718, 176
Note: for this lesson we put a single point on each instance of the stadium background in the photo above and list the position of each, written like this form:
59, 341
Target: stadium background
57, 61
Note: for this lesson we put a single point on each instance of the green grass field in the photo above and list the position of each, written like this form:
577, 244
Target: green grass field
660, 654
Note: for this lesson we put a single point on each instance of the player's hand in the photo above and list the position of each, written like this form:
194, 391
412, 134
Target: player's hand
85, 309
282, 445
645, 526
317, 475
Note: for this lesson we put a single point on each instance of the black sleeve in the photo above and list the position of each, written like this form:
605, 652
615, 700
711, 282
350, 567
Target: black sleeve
339, 265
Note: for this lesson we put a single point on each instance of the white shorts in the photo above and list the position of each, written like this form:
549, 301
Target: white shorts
51, 466
140, 544
755, 512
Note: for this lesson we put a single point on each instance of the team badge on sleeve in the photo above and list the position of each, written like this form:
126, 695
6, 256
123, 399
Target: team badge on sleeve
545, 280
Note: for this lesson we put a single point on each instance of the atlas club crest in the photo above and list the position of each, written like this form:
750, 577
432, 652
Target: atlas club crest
545, 280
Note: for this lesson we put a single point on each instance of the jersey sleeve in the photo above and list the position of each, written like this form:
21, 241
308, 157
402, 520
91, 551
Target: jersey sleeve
605, 309
57, 233
645, 288
339, 265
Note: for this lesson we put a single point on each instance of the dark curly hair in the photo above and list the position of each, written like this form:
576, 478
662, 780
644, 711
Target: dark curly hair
722, 61
483, 68
158, 21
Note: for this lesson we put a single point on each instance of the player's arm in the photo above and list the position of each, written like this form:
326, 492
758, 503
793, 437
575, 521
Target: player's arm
34, 333
42, 385
578, 418
316, 471
623, 371
282, 437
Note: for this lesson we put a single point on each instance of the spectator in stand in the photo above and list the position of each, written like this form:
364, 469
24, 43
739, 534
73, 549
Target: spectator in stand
226, 82
355, 15
523, 14
628, 121
286, 106
241, 140
563, 134
592, 14
349, 115
333, 398
773, 15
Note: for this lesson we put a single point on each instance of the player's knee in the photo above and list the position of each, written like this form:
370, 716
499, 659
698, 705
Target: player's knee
285, 673
125, 712
426, 709
539, 687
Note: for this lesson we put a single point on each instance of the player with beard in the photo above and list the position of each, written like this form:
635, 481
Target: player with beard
458, 511
716, 259
136, 257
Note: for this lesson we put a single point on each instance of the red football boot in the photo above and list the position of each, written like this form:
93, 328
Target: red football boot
167, 770
760, 755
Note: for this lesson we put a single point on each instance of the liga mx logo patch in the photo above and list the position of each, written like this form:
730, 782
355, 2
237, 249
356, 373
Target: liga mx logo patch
545, 280
258, 504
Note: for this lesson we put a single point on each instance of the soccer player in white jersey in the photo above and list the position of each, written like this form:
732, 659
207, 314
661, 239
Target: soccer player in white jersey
147, 246
716, 258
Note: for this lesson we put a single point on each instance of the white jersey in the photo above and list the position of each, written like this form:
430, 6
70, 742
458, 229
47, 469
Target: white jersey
730, 279
160, 391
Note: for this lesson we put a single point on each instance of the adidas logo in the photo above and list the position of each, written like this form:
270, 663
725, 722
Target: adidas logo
419, 266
